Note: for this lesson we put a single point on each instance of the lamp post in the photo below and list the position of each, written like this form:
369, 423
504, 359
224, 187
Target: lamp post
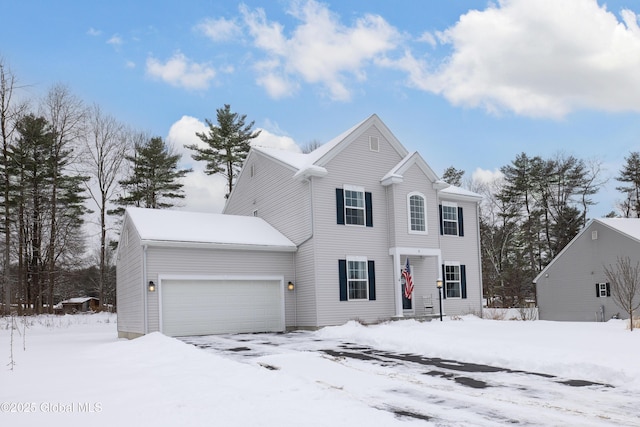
439, 285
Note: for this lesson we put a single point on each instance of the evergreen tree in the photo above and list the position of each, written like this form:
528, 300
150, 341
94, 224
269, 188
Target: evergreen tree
228, 143
630, 175
453, 176
154, 179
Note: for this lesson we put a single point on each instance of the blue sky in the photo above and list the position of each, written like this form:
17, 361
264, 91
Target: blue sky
466, 83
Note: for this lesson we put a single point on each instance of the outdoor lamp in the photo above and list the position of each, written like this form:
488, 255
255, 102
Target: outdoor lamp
152, 286
439, 286
290, 286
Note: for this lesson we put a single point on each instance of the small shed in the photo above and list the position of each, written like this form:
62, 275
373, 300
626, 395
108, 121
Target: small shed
80, 305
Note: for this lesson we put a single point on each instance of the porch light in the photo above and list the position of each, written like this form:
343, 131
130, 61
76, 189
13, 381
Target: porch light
439, 283
152, 286
290, 286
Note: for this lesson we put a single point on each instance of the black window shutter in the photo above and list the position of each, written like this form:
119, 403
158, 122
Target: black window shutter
340, 205
598, 290
444, 278
440, 214
372, 280
608, 290
463, 281
460, 223
368, 209
342, 272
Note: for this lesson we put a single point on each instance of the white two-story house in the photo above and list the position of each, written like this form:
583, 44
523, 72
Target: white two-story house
349, 216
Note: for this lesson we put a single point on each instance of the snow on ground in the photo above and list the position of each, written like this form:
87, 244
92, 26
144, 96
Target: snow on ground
73, 369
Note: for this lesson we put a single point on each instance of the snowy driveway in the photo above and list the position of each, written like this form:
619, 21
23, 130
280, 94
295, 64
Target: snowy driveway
438, 391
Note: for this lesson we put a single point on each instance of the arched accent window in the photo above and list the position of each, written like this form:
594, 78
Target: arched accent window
417, 210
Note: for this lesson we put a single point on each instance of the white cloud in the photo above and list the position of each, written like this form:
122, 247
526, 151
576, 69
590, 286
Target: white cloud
485, 176
130, 64
219, 29
320, 50
180, 71
271, 140
115, 40
93, 32
541, 58
428, 38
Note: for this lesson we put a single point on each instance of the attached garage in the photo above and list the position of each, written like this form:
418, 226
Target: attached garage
203, 307
185, 273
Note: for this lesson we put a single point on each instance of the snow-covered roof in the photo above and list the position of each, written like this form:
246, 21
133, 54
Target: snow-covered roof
163, 226
459, 192
628, 226
79, 300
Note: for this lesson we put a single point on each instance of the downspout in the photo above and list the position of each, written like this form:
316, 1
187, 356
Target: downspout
144, 289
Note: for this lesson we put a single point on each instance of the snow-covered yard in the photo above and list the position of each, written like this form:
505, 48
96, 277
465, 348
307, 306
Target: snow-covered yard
73, 370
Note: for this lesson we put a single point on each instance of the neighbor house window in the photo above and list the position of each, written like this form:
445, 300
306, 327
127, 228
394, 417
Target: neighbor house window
603, 290
354, 206
417, 217
357, 278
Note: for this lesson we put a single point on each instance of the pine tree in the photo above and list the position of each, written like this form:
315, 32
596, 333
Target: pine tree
154, 179
228, 144
453, 176
630, 174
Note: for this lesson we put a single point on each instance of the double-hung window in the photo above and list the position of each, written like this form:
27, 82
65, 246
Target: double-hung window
603, 290
357, 278
354, 205
451, 219
455, 280
417, 215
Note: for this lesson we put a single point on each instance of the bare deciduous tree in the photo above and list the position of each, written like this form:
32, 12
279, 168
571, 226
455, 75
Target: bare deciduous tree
625, 285
10, 112
104, 153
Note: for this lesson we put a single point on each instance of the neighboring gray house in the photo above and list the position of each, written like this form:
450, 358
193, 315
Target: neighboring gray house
573, 286
353, 211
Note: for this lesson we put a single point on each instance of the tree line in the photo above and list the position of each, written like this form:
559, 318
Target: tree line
536, 207
58, 155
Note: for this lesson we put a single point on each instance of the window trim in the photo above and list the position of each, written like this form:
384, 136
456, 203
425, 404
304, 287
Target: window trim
603, 290
424, 213
363, 209
448, 282
364, 261
457, 220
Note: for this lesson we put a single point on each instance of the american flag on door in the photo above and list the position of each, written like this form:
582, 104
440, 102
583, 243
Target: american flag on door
408, 280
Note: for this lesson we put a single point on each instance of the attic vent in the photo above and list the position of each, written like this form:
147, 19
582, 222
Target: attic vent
594, 235
253, 170
374, 143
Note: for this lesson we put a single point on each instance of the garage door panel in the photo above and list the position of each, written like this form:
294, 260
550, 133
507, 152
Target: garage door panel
202, 307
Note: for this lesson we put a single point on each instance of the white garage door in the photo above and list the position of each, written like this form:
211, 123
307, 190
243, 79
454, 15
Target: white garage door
203, 307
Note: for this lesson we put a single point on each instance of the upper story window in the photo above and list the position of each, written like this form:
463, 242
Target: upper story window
451, 219
354, 206
417, 213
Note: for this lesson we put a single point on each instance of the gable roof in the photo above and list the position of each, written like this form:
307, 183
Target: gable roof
628, 227
163, 227
312, 164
